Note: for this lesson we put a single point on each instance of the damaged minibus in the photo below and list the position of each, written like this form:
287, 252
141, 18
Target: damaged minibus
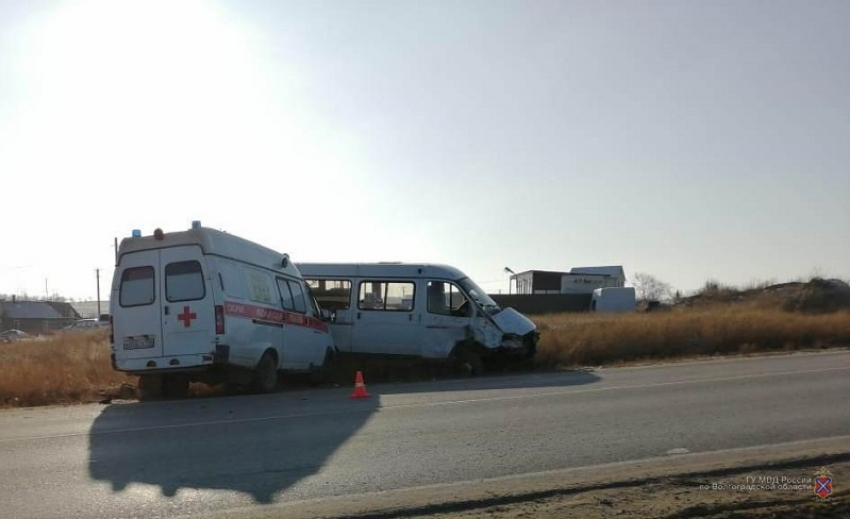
421, 310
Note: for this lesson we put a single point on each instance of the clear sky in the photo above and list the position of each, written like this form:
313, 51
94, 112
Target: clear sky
692, 140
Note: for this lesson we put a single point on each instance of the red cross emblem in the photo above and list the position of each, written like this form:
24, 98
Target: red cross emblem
187, 317
823, 487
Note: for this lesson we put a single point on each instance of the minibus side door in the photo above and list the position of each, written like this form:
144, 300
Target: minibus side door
446, 319
386, 320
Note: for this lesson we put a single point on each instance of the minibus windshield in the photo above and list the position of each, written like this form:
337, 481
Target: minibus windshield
479, 295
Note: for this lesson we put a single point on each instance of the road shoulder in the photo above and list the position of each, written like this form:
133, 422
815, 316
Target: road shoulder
678, 486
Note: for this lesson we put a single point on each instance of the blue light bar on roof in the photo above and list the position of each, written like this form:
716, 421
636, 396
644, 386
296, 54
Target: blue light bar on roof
196, 224
137, 233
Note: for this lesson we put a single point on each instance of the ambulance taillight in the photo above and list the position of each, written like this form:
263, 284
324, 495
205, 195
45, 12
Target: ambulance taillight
219, 319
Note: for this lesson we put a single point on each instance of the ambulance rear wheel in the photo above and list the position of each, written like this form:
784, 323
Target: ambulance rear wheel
265, 377
175, 386
149, 387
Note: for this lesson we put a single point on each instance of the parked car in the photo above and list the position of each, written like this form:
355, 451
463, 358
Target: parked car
13, 335
103, 321
82, 325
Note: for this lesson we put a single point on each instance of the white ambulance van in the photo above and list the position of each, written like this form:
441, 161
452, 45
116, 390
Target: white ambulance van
425, 311
203, 305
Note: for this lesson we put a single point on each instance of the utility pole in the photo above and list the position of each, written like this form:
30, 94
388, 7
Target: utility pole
97, 273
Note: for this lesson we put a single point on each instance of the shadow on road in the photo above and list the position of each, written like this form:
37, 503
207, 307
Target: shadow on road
256, 445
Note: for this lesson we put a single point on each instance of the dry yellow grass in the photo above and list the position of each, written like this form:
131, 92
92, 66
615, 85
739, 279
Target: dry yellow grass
64, 368
75, 367
595, 339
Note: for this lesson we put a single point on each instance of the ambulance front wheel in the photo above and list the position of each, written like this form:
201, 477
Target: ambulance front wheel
318, 375
265, 376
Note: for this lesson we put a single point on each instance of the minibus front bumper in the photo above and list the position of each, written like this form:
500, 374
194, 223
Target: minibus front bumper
517, 346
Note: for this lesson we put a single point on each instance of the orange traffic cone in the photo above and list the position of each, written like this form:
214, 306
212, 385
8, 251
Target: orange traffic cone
359, 387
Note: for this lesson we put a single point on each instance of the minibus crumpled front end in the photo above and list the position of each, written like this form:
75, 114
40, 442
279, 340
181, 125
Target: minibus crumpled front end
519, 333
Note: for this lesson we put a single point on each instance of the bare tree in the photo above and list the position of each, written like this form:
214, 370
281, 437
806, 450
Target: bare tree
650, 288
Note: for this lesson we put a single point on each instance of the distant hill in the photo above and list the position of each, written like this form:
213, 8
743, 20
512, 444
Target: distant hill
815, 296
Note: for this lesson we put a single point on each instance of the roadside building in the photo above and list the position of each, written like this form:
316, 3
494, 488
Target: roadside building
36, 317
579, 280
545, 291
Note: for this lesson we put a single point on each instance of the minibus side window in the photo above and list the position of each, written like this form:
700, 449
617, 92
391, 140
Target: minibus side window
137, 287
332, 294
298, 297
184, 281
446, 299
393, 296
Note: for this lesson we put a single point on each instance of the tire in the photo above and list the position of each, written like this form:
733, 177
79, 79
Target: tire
175, 386
231, 388
150, 387
500, 362
471, 361
318, 376
265, 376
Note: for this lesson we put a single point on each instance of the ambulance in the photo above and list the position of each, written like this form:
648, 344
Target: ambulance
203, 305
427, 311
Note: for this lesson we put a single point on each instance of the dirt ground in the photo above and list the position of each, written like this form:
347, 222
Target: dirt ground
731, 496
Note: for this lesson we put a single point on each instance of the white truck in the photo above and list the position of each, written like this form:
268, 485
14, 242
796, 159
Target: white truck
203, 305
420, 310
613, 300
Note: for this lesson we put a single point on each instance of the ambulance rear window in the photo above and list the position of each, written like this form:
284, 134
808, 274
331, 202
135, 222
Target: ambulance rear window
137, 288
184, 281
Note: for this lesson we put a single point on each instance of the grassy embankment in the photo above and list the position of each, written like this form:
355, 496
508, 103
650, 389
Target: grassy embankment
75, 367
594, 339
63, 368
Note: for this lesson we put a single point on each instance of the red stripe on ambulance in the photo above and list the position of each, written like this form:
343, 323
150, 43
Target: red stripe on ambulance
272, 315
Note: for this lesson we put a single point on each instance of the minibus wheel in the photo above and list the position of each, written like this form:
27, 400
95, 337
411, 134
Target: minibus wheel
265, 377
471, 360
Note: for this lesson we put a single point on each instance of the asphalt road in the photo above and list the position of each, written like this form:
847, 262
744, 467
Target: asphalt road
197, 456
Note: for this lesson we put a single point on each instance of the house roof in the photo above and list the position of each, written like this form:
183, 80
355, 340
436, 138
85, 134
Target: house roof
88, 309
540, 272
616, 271
64, 309
28, 310
612, 271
